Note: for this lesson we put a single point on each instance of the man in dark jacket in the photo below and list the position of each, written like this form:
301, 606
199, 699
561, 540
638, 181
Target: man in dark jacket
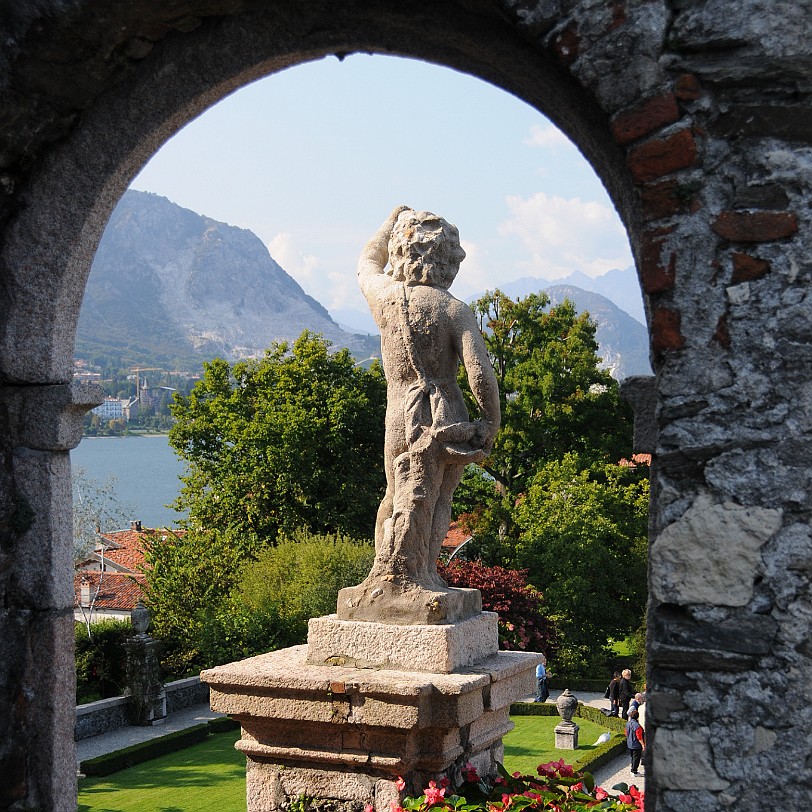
625, 692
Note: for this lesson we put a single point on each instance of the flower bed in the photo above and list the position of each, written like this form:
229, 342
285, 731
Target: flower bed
557, 788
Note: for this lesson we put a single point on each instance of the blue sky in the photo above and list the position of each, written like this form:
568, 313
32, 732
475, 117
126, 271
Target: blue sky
313, 159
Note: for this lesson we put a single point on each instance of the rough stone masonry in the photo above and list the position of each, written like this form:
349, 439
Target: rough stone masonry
696, 115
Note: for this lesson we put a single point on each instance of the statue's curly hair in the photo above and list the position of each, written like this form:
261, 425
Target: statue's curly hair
425, 249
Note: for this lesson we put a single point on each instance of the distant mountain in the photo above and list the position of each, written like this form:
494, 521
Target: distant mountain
619, 286
623, 340
169, 286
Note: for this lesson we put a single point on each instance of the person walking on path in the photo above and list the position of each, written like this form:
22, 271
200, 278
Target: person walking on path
635, 740
542, 691
625, 692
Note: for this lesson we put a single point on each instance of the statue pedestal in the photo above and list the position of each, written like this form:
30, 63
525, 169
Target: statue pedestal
566, 736
145, 688
345, 734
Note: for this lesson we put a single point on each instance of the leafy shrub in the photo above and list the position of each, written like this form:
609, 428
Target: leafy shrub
523, 623
101, 659
300, 578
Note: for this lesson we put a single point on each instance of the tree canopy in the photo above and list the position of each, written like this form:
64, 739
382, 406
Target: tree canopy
583, 536
552, 499
292, 440
555, 399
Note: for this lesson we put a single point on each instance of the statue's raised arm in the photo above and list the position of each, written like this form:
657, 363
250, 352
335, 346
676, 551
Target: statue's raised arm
372, 277
425, 334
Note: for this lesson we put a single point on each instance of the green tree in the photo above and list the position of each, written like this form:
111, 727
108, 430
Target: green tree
291, 440
555, 398
583, 537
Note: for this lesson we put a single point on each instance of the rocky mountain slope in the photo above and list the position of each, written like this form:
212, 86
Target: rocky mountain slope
623, 340
171, 286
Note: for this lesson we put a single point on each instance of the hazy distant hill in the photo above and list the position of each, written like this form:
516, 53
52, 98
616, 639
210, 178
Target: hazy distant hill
619, 286
171, 286
623, 340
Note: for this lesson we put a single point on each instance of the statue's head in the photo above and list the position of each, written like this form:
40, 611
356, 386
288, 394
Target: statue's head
424, 249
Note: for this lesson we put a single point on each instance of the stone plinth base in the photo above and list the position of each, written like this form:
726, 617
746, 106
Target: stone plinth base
380, 600
566, 736
434, 649
345, 734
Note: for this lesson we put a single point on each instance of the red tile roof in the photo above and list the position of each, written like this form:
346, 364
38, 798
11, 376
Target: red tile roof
117, 590
126, 551
637, 459
455, 536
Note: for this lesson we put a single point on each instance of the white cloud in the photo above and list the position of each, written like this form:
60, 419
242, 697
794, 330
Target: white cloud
304, 268
547, 136
564, 235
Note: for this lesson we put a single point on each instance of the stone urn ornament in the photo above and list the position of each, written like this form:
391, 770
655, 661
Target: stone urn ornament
139, 617
566, 704
566, 731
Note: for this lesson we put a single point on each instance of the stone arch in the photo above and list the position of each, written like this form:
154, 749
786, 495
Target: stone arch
696, 116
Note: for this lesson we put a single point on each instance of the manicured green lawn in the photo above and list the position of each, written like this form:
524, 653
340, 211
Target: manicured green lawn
532, 742
621, 648
207, 776
210, 777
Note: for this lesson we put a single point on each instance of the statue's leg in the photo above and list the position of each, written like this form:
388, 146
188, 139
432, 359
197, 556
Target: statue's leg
451, 476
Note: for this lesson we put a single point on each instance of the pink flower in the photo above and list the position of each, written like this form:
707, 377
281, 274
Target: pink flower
506, 799
395, 807
600, 794
369, 808
433, 794
578, 787
400, 784
627, 799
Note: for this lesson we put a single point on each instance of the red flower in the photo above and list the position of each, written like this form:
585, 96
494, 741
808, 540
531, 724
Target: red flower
400, 784
470, 774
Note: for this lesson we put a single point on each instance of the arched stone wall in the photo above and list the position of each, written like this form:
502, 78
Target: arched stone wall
697, 117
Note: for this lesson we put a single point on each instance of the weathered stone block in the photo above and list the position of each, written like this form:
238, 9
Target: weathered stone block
644, 118
747, 268
666, 332
682, 760
370, 724
656, 275
438, 649
712, 554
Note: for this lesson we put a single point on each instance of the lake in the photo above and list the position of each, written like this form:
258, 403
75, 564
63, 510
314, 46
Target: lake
146, 471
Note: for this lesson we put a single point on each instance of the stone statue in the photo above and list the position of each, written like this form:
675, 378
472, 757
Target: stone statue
425, 333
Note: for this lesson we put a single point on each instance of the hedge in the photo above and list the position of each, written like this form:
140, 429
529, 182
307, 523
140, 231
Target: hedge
144, 751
